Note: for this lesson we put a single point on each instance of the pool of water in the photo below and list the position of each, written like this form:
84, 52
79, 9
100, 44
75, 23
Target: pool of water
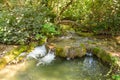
87, 68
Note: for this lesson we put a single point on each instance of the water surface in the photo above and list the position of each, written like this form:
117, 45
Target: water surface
87, 68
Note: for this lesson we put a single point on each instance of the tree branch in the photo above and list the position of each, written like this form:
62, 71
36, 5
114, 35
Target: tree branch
65, 7
57, 19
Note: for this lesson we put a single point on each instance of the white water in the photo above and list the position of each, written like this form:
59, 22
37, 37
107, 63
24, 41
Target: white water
39, 51
40, 54
47, 59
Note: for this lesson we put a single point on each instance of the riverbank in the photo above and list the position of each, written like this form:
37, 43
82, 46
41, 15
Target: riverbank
70, 46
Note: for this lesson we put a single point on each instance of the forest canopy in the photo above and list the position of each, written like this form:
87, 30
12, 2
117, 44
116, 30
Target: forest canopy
22, 21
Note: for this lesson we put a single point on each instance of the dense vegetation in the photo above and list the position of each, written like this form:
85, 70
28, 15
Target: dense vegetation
23, 21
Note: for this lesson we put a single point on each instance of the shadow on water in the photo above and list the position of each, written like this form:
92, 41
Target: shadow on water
86, 68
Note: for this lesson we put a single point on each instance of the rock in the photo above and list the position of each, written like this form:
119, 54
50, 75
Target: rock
59, 51
70, 52
76, 52
102, 54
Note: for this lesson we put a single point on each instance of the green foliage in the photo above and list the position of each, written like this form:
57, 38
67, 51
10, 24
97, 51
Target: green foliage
24, 21
21, 25
116, 77
98, 16
14, 54
49, 29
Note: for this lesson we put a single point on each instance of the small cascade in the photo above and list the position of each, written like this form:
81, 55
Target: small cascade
40, 54
85, 68
88, 60
89, 54
39, 51
47, 58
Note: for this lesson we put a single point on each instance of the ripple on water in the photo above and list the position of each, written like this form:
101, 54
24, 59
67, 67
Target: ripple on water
87, 68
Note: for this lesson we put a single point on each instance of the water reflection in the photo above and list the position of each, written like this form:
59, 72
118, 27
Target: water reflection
87, 68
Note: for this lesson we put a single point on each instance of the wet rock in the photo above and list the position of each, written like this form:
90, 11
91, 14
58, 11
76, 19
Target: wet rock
102, 54
59, 51
70, 52
77, 46
76, 52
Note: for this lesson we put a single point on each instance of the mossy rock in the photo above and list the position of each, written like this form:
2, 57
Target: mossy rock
14, 54
60, 52
76, 52
70, 51
102, 54
2, 63
84, 34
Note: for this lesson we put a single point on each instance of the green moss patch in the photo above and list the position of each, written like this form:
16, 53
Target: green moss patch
14, 54
70, 51
2, 63
102, 54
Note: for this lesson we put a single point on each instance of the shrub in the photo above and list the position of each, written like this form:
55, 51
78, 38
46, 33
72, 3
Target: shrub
21, 25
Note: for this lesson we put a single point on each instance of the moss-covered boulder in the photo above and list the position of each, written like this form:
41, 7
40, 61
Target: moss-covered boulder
100, 53
70, 51
59, 51
87, 34
105, 56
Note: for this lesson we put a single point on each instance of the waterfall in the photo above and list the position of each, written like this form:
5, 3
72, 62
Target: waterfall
40, 54
47, 58
39, 51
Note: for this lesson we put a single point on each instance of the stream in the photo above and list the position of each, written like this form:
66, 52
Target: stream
86, 68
